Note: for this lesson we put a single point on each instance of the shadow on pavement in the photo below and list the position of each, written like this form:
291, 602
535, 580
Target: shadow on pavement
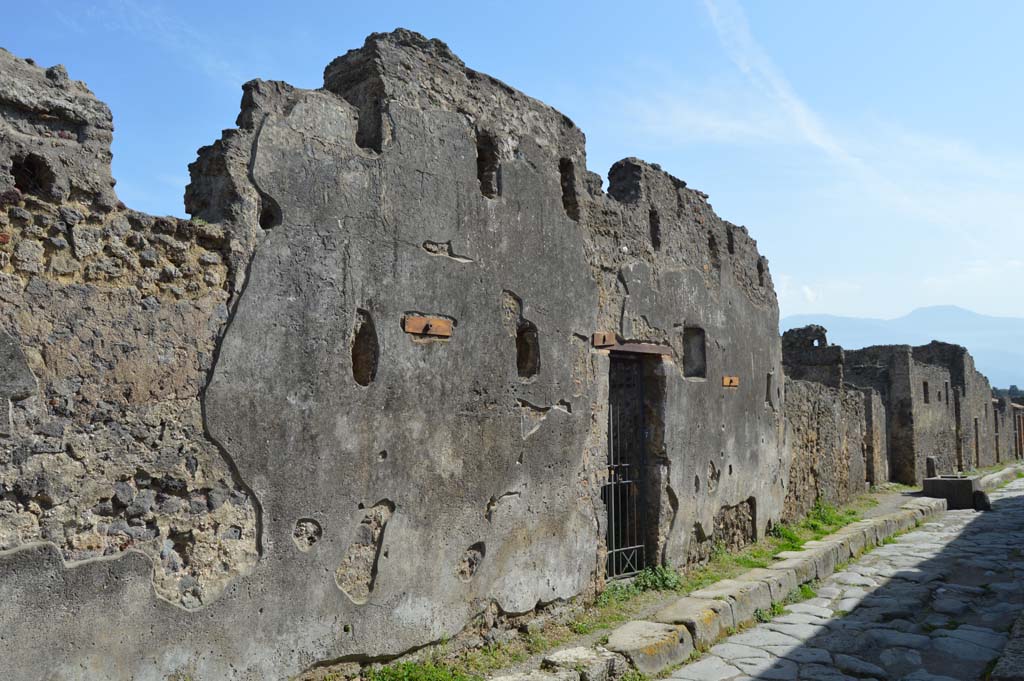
935, 605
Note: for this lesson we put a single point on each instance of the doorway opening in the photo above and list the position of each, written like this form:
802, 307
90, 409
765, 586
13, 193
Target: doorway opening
637, 465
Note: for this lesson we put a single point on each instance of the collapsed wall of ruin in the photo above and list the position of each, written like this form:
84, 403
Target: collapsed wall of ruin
826, 434
835, 433
110, 324
354, 405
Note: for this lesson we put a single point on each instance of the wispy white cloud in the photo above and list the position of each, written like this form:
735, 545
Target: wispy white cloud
947, 206
150, 23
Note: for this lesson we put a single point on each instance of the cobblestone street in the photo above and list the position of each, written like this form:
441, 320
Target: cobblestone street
935, 605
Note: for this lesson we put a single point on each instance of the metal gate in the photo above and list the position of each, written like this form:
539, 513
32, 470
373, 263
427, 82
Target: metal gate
623, 491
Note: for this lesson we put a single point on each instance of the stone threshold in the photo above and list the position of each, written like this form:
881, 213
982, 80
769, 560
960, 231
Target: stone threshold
699, 620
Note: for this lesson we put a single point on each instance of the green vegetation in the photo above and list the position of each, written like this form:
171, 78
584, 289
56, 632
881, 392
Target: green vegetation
622, 600
418, 671
806, 592
634, 675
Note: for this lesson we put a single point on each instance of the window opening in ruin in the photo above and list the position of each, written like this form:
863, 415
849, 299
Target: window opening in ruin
730, 240
365, 349
947, 391
488, 168
567, 171
694, 353
655, 222
760, 272
927, 396
768, 390
32, 175
527, 350
632, 493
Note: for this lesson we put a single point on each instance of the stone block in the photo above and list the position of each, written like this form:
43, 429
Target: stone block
744, 597
537, 675
592, 664
781, 581
958, 492
651, 646
706, 619
801, 563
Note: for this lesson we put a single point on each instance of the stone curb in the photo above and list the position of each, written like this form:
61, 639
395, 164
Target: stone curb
704, 617
1000, 478
710, 613
1011, 663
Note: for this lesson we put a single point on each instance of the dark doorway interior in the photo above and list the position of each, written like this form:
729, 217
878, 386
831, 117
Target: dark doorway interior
636, 460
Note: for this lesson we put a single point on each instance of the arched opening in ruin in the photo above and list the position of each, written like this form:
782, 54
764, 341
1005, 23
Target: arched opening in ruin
33, 175
488, 167
365, 349
655, 224
527, 350
570, 202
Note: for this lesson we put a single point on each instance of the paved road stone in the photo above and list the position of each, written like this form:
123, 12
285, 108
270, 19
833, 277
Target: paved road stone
935, 605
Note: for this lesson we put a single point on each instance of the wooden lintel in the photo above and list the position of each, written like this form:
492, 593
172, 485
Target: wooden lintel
642, 348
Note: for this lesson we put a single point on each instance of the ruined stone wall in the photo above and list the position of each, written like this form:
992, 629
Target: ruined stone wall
974, 410
353, 406
888, 369
827, 435
934, 419
109, 330
807, 356
877, 437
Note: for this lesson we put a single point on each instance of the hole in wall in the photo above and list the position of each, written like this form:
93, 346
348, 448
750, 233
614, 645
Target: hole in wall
471, 560
760, 272
716, 259
694, 353
357, 574
306, 534
270, 213
33, 175
488, 167
696, 483
768, 390
730, 240
570, 202
527, 349
382, 456
655, 224
365, 349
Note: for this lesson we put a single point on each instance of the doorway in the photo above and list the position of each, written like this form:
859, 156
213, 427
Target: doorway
631, 493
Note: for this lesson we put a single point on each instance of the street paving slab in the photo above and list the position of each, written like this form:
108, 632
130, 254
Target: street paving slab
934, 605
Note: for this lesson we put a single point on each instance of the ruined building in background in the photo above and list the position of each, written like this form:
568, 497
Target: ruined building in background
936, 405
408, 373
407, 369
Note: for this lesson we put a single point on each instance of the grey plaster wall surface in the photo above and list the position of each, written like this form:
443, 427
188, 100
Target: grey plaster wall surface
389, 489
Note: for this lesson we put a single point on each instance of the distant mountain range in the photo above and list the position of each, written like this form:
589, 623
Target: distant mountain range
997, 343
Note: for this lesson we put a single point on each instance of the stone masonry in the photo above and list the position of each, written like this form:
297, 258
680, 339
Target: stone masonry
407, 372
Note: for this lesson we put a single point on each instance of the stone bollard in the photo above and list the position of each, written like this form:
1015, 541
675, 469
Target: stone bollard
931, 467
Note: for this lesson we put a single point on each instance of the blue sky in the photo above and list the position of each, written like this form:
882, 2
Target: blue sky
873, 148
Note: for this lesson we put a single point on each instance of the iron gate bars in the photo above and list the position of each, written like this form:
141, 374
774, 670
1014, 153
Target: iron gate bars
622, 493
